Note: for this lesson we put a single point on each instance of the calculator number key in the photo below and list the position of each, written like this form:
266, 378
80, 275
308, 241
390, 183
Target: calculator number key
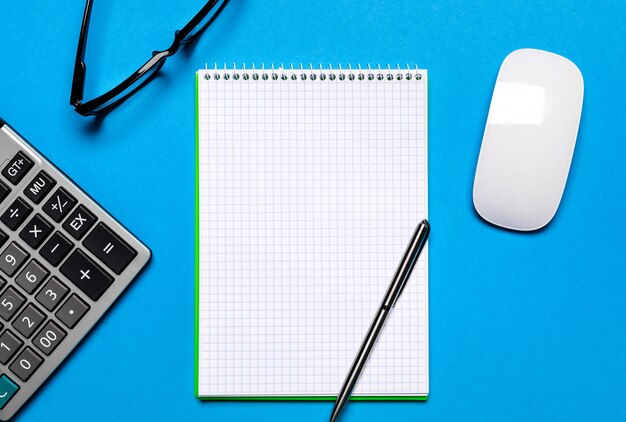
26, 363
9, 345
49, 337
12, 258
17, 212
52, 294
28, 320
10, 302
17, 168
32, 276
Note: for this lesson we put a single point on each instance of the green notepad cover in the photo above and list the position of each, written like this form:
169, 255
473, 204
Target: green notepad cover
197, 312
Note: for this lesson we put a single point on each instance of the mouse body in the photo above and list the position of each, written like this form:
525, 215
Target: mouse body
529, 140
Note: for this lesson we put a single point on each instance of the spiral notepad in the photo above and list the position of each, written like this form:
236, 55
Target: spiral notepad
310, 184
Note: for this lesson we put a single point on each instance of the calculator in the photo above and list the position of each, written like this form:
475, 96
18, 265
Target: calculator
63, 261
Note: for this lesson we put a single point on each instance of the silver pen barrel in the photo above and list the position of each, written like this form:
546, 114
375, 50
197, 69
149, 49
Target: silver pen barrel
408, 262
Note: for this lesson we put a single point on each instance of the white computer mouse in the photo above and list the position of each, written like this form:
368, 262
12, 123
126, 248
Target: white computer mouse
529, 140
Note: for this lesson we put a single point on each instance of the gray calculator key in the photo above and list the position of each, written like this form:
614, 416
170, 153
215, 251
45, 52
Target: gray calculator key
72, 311
2, 282
12, 259
9, 345
28, 320
49, 337
10, 302
32, 276
3, 237
52, 294
26, 363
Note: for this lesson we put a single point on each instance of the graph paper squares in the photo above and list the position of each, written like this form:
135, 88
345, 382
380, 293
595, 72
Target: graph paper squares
309, 192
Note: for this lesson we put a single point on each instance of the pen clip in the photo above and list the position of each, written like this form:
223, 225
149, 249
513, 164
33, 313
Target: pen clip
413, 252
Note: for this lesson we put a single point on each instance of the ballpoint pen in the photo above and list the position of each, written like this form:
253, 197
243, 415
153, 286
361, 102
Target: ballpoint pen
403, 272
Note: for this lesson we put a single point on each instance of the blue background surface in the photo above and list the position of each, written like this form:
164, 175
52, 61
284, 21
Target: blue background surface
523, 326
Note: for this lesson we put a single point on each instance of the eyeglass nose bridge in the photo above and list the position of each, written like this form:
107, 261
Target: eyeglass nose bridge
176, 44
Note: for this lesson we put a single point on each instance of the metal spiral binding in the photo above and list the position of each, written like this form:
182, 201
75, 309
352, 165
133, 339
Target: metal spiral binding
311, 73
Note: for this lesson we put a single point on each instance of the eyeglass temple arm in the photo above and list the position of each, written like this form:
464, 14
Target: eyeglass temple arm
78, 80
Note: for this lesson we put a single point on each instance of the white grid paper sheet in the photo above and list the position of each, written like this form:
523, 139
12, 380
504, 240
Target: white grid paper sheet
309, 191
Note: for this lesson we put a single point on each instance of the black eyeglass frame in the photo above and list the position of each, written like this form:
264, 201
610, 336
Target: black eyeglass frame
104, 102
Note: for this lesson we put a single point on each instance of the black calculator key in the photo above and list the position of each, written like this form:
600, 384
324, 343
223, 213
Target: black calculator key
10, 302
4, 191
49, 337
59, 205
52, 294
17, 212
32, 276
39, 187
86, 274
56, 249
12, 259
26, 363
3, 237
36, 231
109, 248
79, 222
17, 168
9, 345
28, 320
72, 311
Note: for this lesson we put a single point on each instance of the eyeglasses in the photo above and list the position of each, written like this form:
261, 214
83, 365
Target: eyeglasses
120, 93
